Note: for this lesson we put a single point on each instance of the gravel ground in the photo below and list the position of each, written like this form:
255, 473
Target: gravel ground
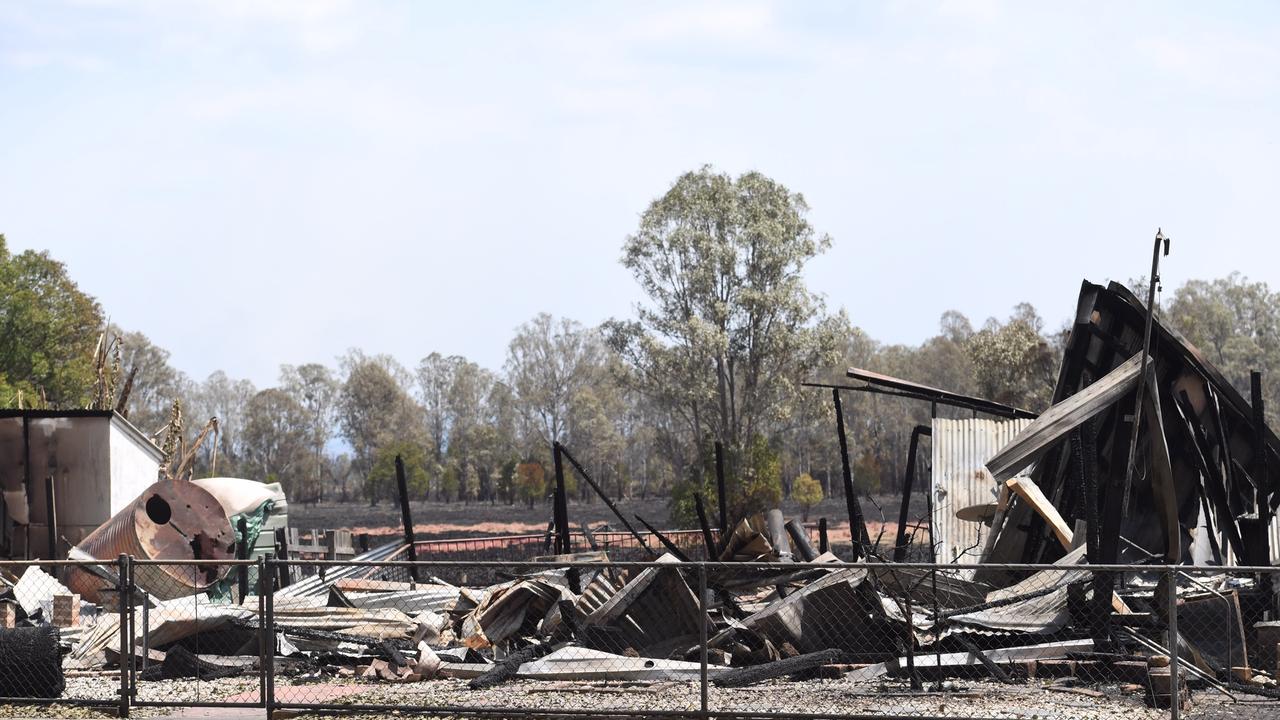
970, 699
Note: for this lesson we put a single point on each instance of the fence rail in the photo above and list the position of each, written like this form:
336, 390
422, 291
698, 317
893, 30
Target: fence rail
644, 639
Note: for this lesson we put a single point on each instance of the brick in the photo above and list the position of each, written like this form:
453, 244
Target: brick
66, 610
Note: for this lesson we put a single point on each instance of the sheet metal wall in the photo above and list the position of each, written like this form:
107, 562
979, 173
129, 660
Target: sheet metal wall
961, 449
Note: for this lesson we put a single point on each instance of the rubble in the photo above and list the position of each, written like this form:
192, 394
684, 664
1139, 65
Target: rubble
769, 607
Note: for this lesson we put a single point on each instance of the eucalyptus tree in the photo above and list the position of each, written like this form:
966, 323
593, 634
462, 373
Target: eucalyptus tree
729, 328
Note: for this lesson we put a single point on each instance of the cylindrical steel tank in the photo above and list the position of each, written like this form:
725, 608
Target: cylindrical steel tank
171, 520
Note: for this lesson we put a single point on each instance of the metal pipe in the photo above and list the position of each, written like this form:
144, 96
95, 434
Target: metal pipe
1160, 241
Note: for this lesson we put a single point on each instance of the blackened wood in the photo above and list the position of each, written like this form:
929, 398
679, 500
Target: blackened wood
406, 519
857, 522
1263, 482
823, 545
900, 543
722, 497
742, 677
560, 504
666, 542
509, 666
608, 503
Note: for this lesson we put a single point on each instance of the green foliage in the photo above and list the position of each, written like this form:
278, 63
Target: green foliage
530, 482
700, 478
507, 479
753, 481
49, 329
866, 474
729, 328
1014, 364
381, 481
807, 493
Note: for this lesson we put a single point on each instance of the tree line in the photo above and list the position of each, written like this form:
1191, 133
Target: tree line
715, 354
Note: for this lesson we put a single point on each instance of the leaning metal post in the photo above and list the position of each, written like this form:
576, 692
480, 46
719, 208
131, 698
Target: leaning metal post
1142, 366
1175, 697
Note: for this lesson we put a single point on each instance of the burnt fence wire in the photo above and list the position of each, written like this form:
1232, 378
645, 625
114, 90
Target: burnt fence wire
664, 638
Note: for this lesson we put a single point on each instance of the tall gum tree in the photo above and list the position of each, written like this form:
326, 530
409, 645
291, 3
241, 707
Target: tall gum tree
729, 329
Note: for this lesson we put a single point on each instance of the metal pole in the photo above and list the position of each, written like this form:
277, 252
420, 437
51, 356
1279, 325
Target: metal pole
269, 670
1175, 699
1161, 240
122, 595
702, 635
406, 518
264, 638
146, 628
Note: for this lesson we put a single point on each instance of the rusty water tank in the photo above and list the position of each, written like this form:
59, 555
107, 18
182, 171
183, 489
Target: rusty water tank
171, 520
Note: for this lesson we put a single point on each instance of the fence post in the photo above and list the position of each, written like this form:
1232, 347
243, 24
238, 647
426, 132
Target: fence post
702, 636
126, 637
269, 669
1175, 690
264, 636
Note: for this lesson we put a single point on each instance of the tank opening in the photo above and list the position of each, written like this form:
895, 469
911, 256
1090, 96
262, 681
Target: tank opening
158, 510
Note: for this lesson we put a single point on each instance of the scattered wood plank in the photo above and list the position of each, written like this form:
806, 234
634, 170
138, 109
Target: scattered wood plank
742, 677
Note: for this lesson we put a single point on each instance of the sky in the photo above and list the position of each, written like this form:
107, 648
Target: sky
253, 183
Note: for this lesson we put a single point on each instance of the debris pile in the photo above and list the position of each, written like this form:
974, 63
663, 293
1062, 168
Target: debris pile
1145, 459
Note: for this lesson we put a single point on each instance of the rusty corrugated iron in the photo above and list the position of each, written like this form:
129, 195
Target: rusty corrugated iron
171, 520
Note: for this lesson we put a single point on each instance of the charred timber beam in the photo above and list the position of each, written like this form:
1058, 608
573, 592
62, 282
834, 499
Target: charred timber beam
560, 505
857, 522
608, 503
1211, 472
406, 518
666, 542
900, 543
742, 677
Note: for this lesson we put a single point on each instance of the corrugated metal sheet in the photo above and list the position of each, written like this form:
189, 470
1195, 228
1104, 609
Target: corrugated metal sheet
961, 449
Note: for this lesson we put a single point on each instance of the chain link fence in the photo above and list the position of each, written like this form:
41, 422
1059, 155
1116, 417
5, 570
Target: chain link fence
588, 636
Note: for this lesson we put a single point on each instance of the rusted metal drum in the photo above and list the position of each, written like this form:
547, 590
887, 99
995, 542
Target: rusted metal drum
171, 520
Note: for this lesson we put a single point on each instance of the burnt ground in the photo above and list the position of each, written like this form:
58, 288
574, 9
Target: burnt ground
434, 520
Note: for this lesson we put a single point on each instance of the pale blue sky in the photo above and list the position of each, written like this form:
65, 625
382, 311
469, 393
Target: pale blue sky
255, 183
